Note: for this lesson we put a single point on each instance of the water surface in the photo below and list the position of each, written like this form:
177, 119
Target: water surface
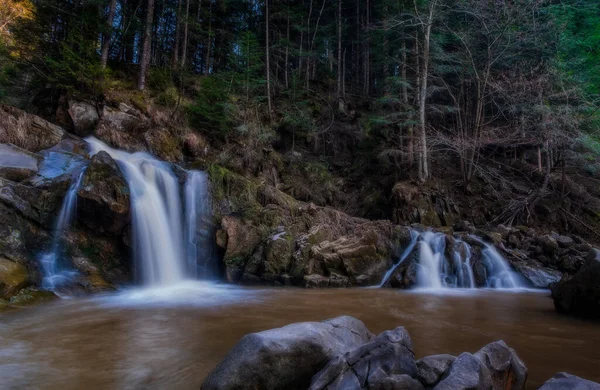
172, 337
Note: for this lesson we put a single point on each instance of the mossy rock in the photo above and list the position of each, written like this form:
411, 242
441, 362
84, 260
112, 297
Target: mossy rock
13, 277
30, 296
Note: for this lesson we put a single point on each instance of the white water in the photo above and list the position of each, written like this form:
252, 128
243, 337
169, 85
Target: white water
436, 272
55, 272
198, 235
156, 215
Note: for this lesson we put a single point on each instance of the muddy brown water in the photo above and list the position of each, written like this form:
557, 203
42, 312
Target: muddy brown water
172, 338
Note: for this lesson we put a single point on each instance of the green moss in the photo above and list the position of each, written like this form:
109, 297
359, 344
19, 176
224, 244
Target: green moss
239, 191
236, 262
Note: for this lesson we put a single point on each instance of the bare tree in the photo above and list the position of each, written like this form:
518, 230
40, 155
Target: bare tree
107, 34
146, 45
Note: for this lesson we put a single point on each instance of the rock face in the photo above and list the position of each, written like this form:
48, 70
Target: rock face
368, 366
84, 117
580, 295
17, 164
288, 357
342, 354
103, 198
562, 381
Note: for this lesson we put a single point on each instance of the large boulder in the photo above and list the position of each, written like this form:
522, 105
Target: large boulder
537, 274
13, 277
562, 381
29, 132
287, 357
370, 365
467, 372
122, 129
84, 117
103, 198
17, 164
507, 370
580, 295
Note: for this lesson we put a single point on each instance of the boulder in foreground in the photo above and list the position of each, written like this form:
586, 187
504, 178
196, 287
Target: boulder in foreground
562, 381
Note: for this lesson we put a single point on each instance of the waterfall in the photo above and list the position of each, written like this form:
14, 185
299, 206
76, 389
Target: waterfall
198, 232
436, 271
158, 244
55, 272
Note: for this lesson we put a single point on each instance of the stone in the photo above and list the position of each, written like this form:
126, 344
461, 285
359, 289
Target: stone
103, 203
27, 131
564, 241
506, 369
394, 382
30, 296
84, 117
467, 372
287, 357
278, 253
432, 368
390, 353
580, 295
537, 274
17, 164
13, 277
548, 244
562, 381
239, 238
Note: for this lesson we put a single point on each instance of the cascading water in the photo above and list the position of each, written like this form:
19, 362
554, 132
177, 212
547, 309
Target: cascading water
435, 271
56, 272
159, 251
198, 232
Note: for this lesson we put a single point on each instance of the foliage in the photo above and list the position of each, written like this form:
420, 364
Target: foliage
210, 110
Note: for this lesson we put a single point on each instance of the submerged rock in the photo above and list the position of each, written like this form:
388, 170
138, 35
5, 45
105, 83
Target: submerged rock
287, 357
30, 296
562, 381
370, 365
580, 295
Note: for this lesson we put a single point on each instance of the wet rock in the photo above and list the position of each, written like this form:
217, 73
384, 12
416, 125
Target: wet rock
103, 198
123, 130
467, 372
366, 367
580, 295
13, 277
30, 296
507, 370
17, 164
432, 368
562, 381
278, 253
316, 281
84, 117
564, 241
29, 132
238, 238
537, 274
163, 144
287, 357
394, 382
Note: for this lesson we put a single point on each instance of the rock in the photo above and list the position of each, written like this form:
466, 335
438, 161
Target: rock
17, 164
467, 372
31, 295
56, 167
548, 244
123, 130
432, 368
507, 370
239, 238
29, 132
85, 118
580, 295
316, 281
394, 382
564, 241
163, 144
278, 253
287, 357
562, 381
390, 353
103, 198
13, 277
537, 274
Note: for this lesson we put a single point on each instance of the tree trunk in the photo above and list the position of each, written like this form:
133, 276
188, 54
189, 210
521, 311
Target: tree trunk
339, 52
268, 54
107, 34
147, 46
409, 129
185, 33
287, 50
423, 91
177, 34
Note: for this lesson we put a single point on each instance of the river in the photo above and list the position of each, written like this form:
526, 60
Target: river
172, 337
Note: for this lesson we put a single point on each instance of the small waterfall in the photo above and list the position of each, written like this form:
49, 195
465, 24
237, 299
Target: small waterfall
436, 271
56, 272
156, 215
431, 252
198, 232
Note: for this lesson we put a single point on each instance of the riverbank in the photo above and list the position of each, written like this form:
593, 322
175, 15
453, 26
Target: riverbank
176, 336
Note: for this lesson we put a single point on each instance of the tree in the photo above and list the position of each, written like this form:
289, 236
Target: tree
146, 46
